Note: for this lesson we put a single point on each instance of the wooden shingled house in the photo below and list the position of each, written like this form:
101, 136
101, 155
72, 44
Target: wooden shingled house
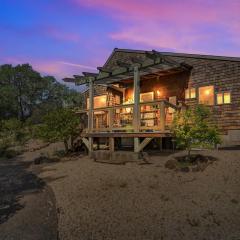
135, 94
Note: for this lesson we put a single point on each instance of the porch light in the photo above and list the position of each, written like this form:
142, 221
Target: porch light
159, 93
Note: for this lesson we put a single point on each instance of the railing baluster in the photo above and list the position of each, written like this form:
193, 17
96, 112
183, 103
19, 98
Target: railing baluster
162, 115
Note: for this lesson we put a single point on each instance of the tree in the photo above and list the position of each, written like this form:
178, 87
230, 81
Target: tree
192, 128
60, 125
25, 93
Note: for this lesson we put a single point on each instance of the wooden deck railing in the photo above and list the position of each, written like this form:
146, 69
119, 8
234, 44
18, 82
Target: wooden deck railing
153, 116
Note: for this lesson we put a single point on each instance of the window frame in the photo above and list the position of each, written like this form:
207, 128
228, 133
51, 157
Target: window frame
151, 94
188, 90
214, 100
223, 101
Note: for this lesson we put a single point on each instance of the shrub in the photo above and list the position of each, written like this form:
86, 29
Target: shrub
192, 128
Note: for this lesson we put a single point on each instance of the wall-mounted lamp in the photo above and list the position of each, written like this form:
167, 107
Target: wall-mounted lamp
159, 93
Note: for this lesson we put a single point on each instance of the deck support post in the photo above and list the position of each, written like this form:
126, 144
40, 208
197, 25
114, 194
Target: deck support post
161, 144
111, 144
136, 87
90, 115
136, 144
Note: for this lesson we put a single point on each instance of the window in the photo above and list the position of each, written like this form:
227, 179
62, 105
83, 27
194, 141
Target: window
146, 97
190, 93
99, 101
206, 95
223, 98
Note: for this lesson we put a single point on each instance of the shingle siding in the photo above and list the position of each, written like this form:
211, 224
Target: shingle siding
222, 72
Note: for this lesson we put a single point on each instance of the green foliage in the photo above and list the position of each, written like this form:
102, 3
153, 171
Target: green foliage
25, 94
59, 125
12, 132
192, 128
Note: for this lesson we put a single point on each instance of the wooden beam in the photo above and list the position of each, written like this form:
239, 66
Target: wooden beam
128, 134
101, 69
86, 142
136, 108
143, 144
80, 80
91, 106
89, 74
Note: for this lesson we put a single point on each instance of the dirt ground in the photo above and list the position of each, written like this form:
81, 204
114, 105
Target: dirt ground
133, 201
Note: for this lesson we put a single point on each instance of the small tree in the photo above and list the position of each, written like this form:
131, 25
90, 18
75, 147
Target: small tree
59, 125
191, 128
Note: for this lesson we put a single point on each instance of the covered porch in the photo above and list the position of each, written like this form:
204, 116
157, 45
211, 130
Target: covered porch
145, 109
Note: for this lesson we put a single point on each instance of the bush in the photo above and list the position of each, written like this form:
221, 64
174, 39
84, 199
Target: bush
60, 125
192, 128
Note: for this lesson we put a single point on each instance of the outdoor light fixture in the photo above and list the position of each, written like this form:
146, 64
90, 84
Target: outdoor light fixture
159, 94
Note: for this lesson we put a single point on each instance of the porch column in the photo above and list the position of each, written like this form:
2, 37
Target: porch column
136, 114
90, 114
136, 90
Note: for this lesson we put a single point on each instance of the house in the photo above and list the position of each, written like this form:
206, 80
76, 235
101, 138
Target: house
136, 93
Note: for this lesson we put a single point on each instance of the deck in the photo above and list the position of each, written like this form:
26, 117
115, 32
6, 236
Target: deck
166, 133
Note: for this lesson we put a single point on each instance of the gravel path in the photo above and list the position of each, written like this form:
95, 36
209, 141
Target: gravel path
146, 202
27, 204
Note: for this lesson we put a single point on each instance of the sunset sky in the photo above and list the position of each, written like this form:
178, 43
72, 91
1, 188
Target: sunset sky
66, 37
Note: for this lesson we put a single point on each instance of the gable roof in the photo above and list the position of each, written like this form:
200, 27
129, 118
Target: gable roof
121, 62
172, 54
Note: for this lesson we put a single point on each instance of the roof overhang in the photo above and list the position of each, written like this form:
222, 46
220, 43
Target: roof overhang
154, 62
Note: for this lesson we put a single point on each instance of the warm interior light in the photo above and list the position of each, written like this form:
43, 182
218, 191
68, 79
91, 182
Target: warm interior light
207, 92
128, 110
102, 99
159, 93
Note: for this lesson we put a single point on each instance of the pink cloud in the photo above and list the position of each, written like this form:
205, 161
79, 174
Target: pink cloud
162, 38
186, 25
187, 11
56, 68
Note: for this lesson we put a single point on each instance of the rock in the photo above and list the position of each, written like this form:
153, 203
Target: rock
171, 164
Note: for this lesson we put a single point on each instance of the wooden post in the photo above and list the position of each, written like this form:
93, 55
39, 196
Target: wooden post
162, 116
136, 120
136, 87
161, 144
111, 144
136, 144
90, 114
111, 119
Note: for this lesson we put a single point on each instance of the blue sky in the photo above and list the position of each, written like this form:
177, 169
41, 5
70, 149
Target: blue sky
66, 37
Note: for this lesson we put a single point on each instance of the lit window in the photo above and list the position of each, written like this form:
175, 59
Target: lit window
227, 97
146, 97
190, 93
224, 98
206, 95
219, 98
99, 101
